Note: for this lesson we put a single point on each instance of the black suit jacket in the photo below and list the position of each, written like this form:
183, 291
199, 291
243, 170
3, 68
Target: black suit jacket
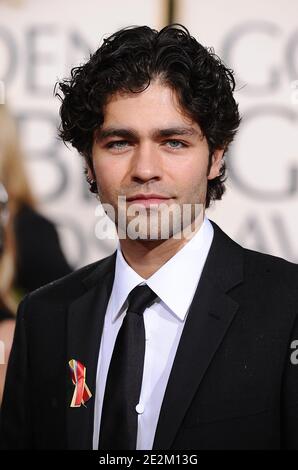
40, 259
232, 385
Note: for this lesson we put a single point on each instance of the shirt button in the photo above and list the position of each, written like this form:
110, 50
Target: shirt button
140, 408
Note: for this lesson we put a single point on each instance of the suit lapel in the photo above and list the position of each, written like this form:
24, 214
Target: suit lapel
209, 317
85, 324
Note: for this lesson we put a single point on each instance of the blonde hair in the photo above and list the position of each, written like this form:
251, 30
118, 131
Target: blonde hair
13, 177
12, 171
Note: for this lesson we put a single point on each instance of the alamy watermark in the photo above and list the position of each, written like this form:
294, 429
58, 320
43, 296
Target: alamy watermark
158, 221
294, 355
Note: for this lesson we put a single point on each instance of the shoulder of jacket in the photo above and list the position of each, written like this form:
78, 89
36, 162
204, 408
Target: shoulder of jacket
65, 288
275, 268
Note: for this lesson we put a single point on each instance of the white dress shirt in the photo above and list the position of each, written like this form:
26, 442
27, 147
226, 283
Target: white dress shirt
175, 284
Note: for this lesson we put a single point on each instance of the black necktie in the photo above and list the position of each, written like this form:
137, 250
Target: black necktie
119, 419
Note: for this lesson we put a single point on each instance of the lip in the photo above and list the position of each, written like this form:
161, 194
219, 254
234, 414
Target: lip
147, 196
147, 199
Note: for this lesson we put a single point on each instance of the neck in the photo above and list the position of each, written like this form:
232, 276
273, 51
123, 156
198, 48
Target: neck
145, 257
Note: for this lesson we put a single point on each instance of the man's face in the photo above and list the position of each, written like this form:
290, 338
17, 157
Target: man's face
148, 146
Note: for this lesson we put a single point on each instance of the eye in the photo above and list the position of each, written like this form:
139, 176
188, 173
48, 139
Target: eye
118, 144
175, 144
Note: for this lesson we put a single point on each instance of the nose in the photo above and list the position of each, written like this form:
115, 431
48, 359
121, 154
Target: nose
146, 163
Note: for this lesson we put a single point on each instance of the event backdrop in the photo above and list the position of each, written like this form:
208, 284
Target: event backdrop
40, 40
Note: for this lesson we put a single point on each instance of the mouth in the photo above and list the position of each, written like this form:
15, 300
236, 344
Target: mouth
148, 199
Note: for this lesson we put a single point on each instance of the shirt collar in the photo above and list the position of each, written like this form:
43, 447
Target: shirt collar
175, 282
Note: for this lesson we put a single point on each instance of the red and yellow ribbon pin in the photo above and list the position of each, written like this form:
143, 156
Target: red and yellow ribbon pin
81, 392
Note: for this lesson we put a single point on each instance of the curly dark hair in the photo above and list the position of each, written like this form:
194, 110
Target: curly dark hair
127, 61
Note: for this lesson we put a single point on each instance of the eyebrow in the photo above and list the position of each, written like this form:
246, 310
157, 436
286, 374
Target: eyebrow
175, 131
128, 133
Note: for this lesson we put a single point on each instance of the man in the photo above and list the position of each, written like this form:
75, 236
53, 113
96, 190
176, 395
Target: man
183, 341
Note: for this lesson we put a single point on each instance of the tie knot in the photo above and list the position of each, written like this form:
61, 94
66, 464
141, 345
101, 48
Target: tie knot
140, 298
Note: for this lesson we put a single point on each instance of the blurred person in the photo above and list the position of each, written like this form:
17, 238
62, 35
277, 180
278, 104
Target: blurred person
8, 303
30, 253
38, 255
182, 341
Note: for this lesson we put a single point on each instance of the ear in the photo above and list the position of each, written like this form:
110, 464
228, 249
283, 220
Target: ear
217, 160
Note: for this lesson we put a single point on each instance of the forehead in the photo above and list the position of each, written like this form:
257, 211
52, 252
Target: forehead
156, 106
